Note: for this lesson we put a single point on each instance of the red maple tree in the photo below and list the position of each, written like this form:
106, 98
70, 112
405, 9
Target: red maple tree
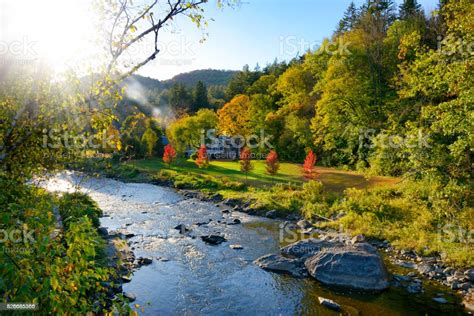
245, 161
272, 164
308, 166
202, 161
169, 154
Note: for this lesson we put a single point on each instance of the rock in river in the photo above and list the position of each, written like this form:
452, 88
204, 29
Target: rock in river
307, 247
329, 303
279, 264
356, 267
131, 297
143, 261
213, 239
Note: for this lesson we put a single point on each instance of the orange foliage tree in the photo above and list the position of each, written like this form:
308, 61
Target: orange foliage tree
202, 161
169, 154
272, 164
308, 166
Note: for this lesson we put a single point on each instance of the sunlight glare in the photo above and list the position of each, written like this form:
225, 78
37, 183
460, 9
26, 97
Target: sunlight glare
58, 33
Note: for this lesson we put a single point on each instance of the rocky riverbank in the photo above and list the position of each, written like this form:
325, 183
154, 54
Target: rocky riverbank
356, 248
422, 268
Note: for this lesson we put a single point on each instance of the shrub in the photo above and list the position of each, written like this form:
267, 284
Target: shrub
73, 206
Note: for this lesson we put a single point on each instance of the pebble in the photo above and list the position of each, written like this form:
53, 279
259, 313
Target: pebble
130, 296
329, 303
440, 300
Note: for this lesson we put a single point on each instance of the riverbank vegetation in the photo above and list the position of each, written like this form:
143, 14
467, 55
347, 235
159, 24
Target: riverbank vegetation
60, 266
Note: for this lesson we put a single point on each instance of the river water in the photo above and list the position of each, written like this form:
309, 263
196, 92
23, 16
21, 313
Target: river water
190, 277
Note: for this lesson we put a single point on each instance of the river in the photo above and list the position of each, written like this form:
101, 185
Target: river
190, 277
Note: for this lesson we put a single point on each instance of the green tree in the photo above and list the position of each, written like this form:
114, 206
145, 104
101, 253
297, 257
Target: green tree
409, 9
199, 97
349, 20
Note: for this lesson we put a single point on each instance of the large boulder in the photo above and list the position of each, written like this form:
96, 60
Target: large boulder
356, 267
279, 264
307, 247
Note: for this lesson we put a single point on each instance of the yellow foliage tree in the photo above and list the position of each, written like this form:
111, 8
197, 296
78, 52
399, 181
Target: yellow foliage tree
234, 117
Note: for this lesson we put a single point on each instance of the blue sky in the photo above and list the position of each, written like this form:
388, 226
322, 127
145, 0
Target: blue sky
258, 31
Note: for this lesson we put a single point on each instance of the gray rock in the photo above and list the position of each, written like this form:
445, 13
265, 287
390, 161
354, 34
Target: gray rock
130, 296
271, 214
425, 268
402, 278
414, 288
469, 274
329, 304
102, 231
279, 264
448, 271
349, 267
440, 300
216, 198
465, 286
235, 221
292, 217
232, 202
182, 228
213, 239
405, 264
144, 261
306, 247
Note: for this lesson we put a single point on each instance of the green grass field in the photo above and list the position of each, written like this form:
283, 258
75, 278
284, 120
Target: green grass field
333, 179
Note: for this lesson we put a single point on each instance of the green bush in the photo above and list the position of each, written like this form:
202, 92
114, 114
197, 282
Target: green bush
73, 206
62, 271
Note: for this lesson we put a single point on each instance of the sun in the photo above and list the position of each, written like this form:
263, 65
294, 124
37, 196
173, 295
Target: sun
60, 34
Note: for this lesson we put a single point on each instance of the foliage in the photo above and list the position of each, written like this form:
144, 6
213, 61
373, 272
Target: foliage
188, 132
76, 205
169, 154
150, 139
308, 165
234, 117
272, 164
246, 161
199, 97
202, 161
421, 216
62, 271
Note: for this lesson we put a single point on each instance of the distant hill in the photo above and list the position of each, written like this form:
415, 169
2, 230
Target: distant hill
211, 77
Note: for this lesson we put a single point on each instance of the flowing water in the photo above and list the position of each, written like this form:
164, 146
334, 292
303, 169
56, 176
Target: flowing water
190, 277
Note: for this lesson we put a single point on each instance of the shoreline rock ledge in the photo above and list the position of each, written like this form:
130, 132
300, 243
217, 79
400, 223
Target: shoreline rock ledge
356, 266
